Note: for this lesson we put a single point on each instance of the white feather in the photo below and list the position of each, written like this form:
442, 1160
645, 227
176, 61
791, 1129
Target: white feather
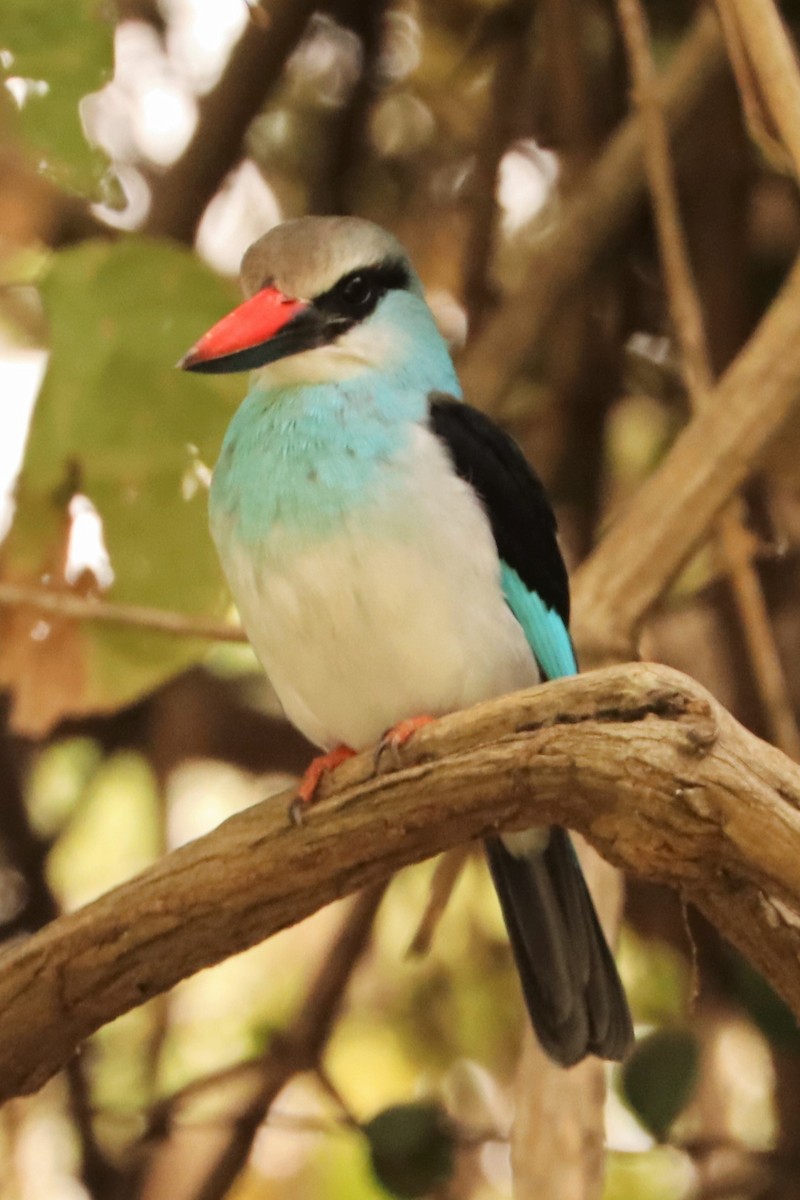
361, 348
399, 614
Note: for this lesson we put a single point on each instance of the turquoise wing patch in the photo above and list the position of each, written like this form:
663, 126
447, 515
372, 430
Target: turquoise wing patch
547, 634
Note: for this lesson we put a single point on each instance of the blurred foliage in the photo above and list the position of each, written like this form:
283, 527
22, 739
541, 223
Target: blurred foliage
117, 423
411, 1148
768, 1012
660, 1174
659, 1077
658, 975
51, 57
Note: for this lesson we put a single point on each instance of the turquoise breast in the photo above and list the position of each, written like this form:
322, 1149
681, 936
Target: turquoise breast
301, 458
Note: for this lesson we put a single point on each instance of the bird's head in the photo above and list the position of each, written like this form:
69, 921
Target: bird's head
328, 297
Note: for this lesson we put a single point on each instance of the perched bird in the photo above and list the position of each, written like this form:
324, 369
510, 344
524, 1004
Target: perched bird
393, 557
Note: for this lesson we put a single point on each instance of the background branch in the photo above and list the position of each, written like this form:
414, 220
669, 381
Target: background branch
618, 584
773, 59
217, 1161
179, 197
138, 616
511, 28
640, 759
589, 223
734, 542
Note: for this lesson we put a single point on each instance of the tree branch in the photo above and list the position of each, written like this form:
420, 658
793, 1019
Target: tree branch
646, 546
139, 616
773, 59
297, 1048
735, 543
589, 222
511, 51
640, 759
179, 197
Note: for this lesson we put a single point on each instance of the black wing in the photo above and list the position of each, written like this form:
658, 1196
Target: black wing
516, 503
570, 983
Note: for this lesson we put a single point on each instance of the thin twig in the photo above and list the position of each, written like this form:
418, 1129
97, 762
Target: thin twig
80, 608
510, 26
589, 223
445, 877
735, 543
756, 117
179, 196
99, 1175
583, 356
684, 301
640, 555
774, 62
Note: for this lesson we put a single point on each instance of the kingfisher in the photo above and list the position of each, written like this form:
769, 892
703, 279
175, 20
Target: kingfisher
393, 557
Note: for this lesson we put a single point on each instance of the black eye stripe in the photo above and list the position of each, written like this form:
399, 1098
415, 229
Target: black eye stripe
371, 283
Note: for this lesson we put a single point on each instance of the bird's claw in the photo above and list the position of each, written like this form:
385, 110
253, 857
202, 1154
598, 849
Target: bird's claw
396, 737
296, 811
307, 788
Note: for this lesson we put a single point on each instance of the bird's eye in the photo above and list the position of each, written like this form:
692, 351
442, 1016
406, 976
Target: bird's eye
358, 293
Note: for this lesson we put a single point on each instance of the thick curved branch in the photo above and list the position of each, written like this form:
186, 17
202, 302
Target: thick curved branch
640, 759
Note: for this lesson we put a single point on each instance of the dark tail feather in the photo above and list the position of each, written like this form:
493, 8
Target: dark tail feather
569, 980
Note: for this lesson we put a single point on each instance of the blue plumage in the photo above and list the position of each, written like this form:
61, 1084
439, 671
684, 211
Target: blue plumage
546, 632
298, 456
317, 458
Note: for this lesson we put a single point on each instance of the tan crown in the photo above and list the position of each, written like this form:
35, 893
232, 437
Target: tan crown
305, 257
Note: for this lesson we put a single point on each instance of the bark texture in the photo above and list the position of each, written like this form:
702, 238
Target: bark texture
640, 759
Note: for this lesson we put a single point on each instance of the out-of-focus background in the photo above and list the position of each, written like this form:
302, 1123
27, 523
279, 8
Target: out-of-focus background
143, 145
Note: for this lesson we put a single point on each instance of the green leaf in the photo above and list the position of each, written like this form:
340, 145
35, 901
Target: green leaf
767, 1010
118, 423
57, 53
412, 1148
659, 1078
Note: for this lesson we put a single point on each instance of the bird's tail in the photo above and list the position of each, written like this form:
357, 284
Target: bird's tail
569, 980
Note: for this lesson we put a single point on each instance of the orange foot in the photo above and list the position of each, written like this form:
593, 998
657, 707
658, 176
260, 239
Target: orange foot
307, 788
399, 734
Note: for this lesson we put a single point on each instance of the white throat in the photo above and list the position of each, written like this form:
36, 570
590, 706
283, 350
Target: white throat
360, 349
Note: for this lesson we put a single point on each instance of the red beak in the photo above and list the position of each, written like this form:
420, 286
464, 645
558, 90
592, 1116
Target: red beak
268, 326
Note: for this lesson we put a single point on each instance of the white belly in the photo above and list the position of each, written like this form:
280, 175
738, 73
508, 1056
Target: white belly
400, 613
